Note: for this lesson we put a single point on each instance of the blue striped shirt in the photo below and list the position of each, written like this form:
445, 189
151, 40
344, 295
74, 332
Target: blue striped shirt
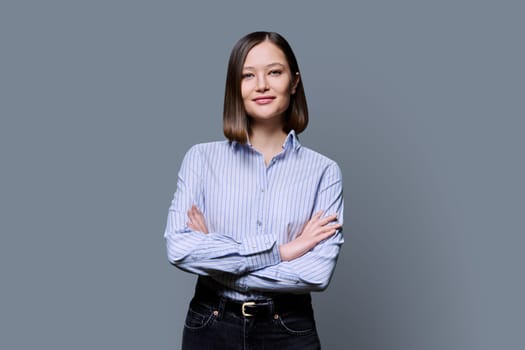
250, 209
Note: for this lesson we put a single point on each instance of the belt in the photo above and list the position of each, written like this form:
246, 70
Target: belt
255, 308
278, 304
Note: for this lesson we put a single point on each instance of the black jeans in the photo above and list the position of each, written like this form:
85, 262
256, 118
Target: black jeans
281, 323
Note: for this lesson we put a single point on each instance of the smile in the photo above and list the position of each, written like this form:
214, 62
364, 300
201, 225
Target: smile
262, 100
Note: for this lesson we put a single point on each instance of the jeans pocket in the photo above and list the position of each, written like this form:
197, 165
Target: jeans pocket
199, 316
296, 323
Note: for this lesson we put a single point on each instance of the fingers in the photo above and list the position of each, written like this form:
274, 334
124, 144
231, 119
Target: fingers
328, 219
198, 217
197, 222
196, 227
194, 214
316, 218
327, 234
192, 227
331, 228
328, 231
319, 228
317, 215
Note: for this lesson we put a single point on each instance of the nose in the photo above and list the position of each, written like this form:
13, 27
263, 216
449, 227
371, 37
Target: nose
262, 84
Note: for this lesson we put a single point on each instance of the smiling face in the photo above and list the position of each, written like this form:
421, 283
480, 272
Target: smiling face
267, 83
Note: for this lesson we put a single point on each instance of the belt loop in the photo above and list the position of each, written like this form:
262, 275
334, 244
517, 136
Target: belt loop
272, 307
222, 307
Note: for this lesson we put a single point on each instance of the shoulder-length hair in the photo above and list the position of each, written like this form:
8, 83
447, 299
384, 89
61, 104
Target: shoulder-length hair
236, 123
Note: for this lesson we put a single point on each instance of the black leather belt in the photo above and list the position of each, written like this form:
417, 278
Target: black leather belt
250, 308
277, 304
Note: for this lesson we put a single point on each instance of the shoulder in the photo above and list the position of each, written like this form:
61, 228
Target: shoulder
320, 160
206, 148
325, 169
198, 156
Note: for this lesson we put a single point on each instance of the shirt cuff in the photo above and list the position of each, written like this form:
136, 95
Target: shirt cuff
262, 260
260, 251
257, 244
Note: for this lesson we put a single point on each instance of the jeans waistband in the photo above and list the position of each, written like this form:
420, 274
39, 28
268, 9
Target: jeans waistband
277, 304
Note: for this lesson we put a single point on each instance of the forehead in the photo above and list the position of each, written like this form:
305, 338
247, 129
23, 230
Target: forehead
264, 54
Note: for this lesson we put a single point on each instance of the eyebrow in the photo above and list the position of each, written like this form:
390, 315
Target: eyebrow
267, 66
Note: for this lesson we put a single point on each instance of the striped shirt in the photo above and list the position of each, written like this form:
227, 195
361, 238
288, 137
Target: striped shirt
250, 209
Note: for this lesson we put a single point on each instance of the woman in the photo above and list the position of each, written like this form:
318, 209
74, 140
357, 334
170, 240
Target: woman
257, 217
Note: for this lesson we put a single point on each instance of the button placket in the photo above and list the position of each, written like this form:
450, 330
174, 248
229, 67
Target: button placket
261, 197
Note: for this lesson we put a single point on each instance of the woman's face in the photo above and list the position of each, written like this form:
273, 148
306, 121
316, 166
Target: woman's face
267, 83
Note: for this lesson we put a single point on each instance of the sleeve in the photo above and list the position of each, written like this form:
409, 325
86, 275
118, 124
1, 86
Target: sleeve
313, 270
214, 253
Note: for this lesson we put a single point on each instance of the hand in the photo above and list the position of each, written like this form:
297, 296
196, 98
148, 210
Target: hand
315, 231
197, 221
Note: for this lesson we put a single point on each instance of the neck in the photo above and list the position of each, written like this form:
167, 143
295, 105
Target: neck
267, 137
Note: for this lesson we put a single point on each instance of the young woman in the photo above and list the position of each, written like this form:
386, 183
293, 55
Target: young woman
258, 217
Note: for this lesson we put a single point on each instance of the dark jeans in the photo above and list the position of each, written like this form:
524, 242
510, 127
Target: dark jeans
282, 323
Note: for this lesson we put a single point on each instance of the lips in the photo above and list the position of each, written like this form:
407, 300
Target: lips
262, 100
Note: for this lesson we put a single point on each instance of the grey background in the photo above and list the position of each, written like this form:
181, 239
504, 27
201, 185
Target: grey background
420, 102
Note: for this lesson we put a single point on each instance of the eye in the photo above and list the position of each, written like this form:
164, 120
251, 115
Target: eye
275, 72
247, 75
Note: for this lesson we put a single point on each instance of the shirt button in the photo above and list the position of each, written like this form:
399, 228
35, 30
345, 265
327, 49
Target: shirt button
262, 189
259, 223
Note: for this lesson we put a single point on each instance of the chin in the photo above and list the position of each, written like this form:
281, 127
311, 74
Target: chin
265, 117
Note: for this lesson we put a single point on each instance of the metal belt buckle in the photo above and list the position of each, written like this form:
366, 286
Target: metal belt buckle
247, 303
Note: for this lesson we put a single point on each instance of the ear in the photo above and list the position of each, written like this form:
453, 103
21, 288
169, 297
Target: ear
295, 82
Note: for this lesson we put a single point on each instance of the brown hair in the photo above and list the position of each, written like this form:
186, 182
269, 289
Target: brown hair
236, 123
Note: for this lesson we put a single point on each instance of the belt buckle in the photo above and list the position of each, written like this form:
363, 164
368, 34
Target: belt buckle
247, 303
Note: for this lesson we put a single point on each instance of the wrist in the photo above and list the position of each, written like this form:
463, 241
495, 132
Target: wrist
294, 249
284, 252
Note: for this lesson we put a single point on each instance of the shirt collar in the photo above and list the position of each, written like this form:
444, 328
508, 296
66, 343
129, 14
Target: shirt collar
290, 143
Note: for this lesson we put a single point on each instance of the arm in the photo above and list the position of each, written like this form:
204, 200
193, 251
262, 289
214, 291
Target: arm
213, 253
313, 270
